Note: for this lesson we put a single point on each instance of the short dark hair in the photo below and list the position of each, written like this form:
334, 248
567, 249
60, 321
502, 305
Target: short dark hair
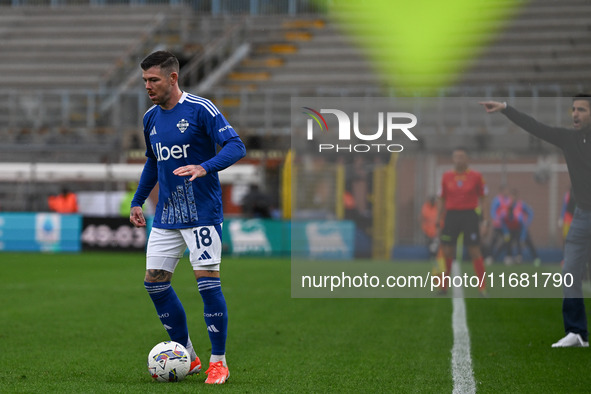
583, 96
163, 59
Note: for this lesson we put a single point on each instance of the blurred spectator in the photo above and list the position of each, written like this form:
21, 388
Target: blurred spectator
125, 204
429, 225
256, 204
348, 201
65, 202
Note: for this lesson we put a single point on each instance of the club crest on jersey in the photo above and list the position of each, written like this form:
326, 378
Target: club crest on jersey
182, 125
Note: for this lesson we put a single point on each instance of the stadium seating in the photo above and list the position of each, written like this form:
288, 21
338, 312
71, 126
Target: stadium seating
302, 56
57, 64
541, 51
546, 47
56, 57
67, 47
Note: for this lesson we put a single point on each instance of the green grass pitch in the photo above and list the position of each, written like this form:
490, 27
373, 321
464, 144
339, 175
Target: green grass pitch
83, 323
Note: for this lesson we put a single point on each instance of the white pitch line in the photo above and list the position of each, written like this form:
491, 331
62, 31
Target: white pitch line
461, 361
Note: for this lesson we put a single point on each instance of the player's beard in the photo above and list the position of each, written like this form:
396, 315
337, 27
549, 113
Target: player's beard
155, 98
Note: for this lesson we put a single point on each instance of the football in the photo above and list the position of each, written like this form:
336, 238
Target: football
169, 362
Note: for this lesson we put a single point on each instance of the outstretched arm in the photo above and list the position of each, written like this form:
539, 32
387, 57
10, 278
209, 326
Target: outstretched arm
553, 135
493, 106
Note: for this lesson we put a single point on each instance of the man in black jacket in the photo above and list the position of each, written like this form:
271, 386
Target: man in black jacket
576, 147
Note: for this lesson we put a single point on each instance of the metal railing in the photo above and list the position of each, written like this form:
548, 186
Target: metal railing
256, 112
202, 64
126, 66
67, 108
202, 7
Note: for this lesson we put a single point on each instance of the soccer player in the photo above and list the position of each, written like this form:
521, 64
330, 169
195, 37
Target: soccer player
181, 132
516, 220
462, 191
498, 207
566, 212
576, 148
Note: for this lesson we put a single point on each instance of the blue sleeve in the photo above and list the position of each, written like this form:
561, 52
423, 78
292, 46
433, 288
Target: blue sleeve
530, 214
147, 123
493, 208
523, 235
232, 151
148, 180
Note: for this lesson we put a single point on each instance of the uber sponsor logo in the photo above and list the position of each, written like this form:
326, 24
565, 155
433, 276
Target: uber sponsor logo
164, 153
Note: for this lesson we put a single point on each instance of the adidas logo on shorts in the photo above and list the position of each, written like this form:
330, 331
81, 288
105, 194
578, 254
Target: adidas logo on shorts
204, 256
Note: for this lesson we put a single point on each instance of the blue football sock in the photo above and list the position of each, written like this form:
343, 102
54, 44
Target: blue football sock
215, 313
170, 310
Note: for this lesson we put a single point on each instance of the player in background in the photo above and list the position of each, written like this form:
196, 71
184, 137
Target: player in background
566, 212
516, 220
498, 207
181, 132
576, 148
462, 190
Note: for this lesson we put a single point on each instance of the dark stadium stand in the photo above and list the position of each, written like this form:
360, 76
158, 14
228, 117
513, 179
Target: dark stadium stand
69, 47
58, 66
546, 47
68, 75
303, 56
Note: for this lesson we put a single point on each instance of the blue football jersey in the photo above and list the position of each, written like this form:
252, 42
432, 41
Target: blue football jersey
186, 134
